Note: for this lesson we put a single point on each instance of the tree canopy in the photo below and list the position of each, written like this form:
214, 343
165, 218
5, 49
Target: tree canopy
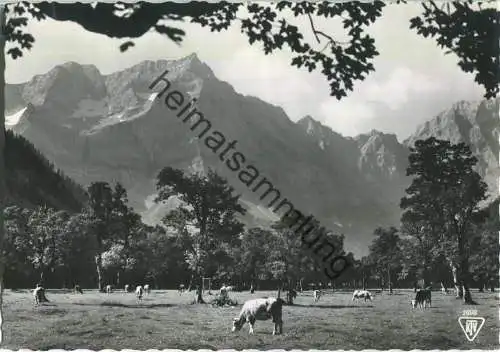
443, 201
468, 29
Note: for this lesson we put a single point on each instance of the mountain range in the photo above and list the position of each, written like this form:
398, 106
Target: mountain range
112, 128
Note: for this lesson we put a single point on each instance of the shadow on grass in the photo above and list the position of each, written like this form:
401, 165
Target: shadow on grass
52, 311
122, 305
334, 306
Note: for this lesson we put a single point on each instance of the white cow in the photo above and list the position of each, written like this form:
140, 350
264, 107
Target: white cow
317, 295
139, 292
39, 295
147, 289
358, 294
261, 309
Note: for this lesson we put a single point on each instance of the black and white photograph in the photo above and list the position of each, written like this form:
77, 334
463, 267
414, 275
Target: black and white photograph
255, 175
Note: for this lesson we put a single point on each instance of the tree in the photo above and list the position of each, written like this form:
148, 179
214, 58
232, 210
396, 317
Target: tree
485, 247
78, 248
255, 253
206, 220
385, 252
285, 258
45, 226
16, 246
418, 250
127, 225
444, 196
164, 255
101, 203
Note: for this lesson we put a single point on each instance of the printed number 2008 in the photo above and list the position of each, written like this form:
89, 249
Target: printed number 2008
470, 312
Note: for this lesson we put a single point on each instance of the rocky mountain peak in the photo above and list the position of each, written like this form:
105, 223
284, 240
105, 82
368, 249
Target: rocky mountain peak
111, 127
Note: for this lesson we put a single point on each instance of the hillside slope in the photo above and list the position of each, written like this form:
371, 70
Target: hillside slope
33, 181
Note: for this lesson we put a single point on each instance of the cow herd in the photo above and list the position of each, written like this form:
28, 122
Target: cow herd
268, 308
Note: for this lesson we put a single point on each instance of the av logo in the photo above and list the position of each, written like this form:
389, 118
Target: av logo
471, 325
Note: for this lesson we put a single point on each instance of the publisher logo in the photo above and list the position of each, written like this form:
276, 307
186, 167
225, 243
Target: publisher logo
471, 324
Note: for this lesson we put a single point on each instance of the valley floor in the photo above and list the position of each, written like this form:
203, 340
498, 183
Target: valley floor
166, 319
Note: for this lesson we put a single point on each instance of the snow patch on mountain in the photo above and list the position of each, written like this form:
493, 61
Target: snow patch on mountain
13, 119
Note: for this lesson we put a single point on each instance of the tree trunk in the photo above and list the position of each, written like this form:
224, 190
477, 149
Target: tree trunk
458, 290
466, 294
199, 291
389, 283
465, 279
98, 266
42, 278
2, 155
190, 286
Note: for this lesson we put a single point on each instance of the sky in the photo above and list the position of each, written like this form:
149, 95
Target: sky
414, 80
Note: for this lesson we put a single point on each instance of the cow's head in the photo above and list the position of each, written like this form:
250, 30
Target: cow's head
237, 324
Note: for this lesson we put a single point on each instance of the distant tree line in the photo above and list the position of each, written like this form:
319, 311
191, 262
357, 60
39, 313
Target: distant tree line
445, 237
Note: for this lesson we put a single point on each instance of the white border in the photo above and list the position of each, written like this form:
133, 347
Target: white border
246, 350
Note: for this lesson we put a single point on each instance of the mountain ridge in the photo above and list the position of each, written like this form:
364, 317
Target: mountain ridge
351, 184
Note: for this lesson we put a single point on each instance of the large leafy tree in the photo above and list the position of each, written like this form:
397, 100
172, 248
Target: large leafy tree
254, 253
385, 252
443, 198
78, 248
16, 246
101, 206
285, 258
485, 247
207, 217
45, 226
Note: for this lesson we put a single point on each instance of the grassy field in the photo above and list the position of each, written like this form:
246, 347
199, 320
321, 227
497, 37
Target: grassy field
166, 319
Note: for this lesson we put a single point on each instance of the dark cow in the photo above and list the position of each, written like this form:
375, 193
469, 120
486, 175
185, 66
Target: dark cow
422, 298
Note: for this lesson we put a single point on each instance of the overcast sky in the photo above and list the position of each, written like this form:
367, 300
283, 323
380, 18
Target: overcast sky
413, 81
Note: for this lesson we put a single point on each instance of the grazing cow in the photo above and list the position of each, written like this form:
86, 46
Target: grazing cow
139, 292
422, 298
290, 296
181, 288
261, 309
317, 295
358, 294
39, 294
109, 289
413, 304
78, 289
147, 289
